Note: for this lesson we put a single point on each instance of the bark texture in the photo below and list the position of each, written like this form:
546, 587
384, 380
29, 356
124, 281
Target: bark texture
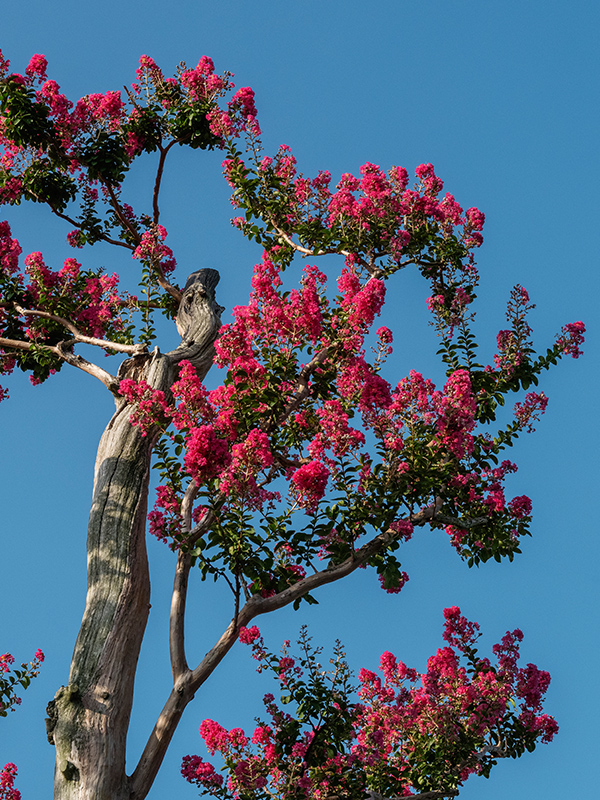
88, 719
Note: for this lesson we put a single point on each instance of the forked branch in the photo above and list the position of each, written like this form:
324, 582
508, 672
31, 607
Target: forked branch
105, 344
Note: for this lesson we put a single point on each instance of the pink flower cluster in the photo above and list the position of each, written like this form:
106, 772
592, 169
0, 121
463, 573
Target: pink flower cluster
397, 588
93, 301
530, 410
249, 635
150, 406
8, 681
572, 338
10, 250
459, 709
309, 483
7, 783
6, 661
152, 250
168, 522
195, 770
104, 108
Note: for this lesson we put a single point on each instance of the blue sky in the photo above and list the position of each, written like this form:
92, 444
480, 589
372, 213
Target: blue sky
502, 99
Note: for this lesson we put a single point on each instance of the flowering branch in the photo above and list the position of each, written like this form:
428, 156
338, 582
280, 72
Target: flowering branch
104, 237
421, 796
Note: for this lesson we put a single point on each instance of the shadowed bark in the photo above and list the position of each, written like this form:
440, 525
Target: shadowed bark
88, 720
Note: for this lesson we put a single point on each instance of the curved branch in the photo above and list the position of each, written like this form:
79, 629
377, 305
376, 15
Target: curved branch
178, 600
159, 172
370, 267
434, 795
190, 681
106, 344
304, 250
162, 281
18, 344
109, 380
111, 383
179, 664
103, 236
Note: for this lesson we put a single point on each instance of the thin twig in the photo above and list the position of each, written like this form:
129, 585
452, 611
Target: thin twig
103, 236
159, 173
120, 215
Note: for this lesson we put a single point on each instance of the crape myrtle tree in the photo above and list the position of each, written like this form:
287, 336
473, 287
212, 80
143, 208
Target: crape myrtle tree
303, 466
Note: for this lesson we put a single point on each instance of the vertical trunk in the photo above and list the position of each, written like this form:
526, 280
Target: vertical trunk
89, 719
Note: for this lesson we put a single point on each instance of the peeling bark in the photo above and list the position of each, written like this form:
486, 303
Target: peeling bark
88, 719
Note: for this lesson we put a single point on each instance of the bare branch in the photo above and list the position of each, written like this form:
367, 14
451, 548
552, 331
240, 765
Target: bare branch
17, 344
106, 344
164, 283
178, 600
369, 265
109, 380
304, 250
111, 383
179, 664
159, 173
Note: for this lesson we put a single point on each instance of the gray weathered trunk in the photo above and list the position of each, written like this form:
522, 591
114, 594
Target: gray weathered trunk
88, 719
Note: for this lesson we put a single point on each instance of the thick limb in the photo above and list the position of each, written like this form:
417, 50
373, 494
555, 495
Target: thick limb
89, 718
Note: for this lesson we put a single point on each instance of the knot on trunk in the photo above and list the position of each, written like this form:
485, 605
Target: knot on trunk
198, 321
199, 290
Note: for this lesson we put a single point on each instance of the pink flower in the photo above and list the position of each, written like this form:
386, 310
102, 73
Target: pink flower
571, 338
531, 410
309, 482
37, 66
195, 770
520, 507
249, 635
476, 218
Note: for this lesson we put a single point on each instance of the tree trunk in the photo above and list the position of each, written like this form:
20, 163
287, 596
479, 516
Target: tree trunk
89, 719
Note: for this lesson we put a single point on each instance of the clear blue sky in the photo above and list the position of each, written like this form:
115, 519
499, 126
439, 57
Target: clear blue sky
502, 99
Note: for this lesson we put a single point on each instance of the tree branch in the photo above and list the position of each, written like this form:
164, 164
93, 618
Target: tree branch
302, 388
18, 344
159, 173
465, 524
179, 664
109, 380
103, 236
111, 383
190, 681
368, 265
120, 216
304, 250
106, 344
